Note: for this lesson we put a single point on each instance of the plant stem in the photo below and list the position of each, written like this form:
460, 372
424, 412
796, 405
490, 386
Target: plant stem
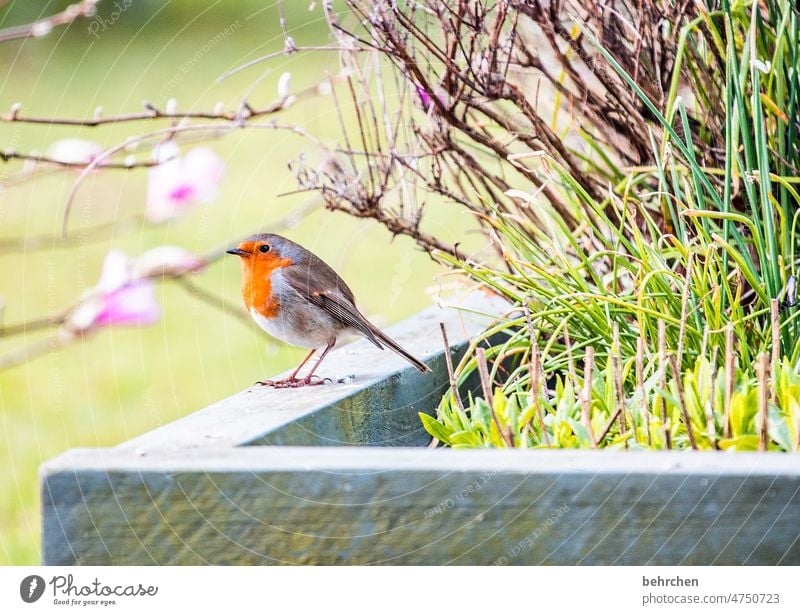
729, 380
761, 374
776, 347
586, 398
450, 372
662, 366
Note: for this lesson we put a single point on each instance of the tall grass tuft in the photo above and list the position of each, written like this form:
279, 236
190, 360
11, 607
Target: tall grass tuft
661, 314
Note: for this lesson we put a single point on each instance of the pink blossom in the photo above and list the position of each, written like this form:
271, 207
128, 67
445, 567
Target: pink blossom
133, 304
425, 98
179, 182
119, 298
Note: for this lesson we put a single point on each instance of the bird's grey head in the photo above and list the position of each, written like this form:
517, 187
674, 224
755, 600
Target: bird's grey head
268, 245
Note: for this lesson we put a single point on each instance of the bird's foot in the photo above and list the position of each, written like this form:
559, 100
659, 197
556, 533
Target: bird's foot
294, 383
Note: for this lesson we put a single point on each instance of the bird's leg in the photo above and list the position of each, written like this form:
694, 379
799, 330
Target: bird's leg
292, 381
308, 379
303, 362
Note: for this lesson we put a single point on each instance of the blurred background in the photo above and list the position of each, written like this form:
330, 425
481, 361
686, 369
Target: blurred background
121, 382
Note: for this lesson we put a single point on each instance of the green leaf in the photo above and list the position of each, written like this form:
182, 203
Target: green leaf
435, 428
778, 428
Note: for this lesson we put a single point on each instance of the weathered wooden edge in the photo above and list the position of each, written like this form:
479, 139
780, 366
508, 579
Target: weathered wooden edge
313, 505
303, 458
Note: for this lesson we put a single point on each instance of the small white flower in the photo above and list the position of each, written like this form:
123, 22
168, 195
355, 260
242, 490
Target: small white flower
284, 84
74, 151
43, 28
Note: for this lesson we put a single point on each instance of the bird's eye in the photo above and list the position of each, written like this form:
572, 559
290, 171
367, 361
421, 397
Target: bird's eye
263, 249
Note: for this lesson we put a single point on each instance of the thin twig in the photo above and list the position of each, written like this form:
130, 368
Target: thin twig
151, 112
8, 155
85, 8
284, 53
451, 375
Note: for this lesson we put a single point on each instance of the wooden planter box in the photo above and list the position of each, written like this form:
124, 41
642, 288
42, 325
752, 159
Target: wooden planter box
273, 477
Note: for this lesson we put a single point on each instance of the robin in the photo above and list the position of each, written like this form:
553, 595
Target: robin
296, 297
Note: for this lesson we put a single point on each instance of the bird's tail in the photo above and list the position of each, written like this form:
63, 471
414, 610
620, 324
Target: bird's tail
388, 341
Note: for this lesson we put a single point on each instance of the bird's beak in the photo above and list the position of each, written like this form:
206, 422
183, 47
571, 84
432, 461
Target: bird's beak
238, 252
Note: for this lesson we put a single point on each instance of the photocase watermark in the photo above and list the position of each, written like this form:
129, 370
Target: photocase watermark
100, 24
463, 494
31, 588
66, 592
527, 542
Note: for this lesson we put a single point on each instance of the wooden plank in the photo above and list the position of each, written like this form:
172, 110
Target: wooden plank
341, 505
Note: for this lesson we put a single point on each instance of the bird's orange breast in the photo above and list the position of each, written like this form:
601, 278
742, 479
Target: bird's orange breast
257, 284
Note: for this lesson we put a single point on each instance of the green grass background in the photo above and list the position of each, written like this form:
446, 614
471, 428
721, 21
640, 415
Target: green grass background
122, 382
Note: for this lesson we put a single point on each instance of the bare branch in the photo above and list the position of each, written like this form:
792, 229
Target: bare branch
42, 27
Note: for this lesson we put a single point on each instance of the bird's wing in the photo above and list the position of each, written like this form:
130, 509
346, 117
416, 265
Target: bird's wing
328, 291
